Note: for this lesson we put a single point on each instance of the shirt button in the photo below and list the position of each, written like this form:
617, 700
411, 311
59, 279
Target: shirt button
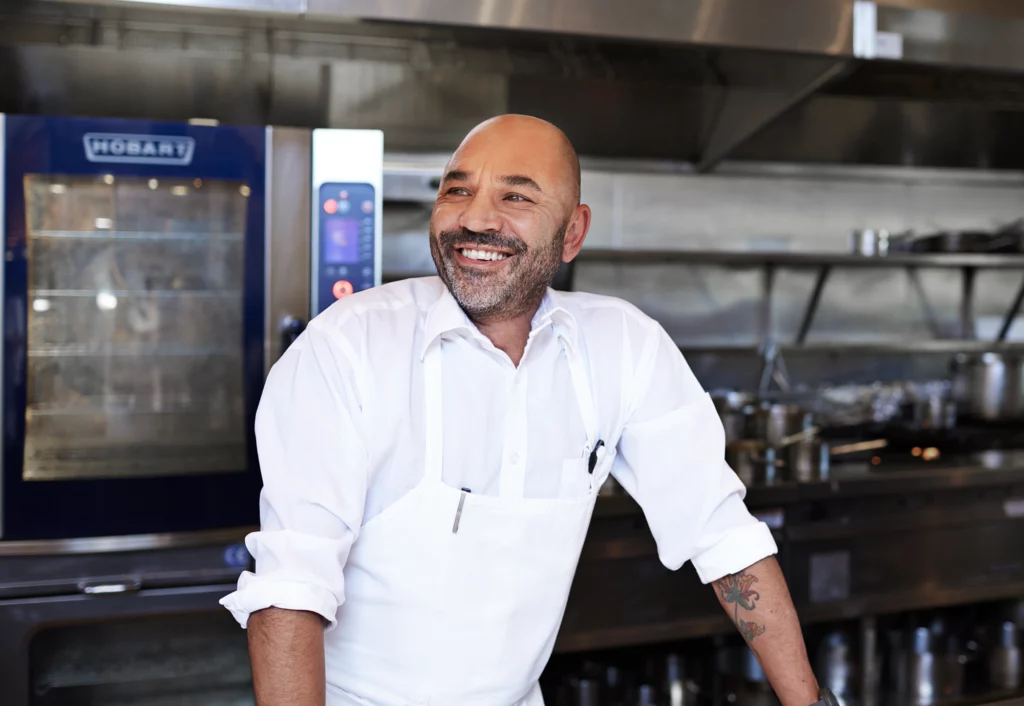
514, 458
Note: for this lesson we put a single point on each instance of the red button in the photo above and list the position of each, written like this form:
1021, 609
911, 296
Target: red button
342, 288
331, 206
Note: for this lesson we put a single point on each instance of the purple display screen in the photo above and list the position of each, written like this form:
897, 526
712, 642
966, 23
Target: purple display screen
341, 241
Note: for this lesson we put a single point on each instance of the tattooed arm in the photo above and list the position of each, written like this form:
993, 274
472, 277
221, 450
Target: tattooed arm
758, 601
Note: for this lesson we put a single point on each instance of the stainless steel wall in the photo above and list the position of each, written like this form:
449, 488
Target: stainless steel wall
761, 208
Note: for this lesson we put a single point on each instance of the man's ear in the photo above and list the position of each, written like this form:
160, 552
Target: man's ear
576, 232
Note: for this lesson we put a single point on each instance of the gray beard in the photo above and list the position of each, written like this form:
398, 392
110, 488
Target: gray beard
497, 296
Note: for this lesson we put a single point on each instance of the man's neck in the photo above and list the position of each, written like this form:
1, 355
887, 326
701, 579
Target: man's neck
509, 335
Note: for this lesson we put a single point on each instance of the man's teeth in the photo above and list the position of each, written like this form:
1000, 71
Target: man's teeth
483, 254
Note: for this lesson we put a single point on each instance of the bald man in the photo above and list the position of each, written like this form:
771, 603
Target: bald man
432, 450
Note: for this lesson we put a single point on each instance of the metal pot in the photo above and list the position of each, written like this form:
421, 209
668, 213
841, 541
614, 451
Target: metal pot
774, 422
1005, 662
733, 409
742, 458
804, 457
991, 386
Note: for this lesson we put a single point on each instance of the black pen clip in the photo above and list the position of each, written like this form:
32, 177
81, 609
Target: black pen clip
593, 456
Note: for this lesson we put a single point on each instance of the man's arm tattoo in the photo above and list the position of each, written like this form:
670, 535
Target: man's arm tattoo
737, 589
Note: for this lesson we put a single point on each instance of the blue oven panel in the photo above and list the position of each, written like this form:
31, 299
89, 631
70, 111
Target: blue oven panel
133, 326
346, 245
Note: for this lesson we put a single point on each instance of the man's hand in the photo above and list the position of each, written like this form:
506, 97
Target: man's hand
286, 648
758, 601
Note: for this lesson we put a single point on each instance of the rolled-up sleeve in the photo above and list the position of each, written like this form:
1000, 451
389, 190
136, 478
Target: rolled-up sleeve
314, 466
672, 461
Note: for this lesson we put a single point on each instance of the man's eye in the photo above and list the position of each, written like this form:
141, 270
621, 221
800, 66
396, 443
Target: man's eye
457, 191
517, 197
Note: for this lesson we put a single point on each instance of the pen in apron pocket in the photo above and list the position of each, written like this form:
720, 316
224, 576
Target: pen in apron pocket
458, 512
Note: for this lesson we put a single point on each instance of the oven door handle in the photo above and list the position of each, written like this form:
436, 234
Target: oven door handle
290, 329
105, 588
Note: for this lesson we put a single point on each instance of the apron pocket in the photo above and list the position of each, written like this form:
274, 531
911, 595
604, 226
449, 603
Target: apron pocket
575, 480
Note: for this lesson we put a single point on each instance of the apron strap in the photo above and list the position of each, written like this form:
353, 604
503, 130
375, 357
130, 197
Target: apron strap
432, 388
584, 395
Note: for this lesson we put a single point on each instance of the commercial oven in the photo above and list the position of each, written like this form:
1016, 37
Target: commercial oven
149, 267
153, 272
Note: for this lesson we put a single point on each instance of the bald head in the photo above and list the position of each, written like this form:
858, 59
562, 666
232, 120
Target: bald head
534, 145
507, 214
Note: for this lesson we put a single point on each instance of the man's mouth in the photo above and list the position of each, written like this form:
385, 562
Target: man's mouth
483, 254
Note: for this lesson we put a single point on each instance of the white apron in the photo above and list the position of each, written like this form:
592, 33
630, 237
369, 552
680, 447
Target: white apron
453, 608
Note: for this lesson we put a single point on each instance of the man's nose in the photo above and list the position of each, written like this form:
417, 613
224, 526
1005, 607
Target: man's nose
481, 215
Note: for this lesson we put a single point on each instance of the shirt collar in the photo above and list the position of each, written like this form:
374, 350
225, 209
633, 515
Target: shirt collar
553, 309
446, 315
443, 316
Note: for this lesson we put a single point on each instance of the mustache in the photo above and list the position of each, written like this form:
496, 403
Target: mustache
448, 238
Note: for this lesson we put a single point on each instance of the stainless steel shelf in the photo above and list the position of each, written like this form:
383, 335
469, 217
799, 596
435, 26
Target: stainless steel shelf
101, 413
152, 293
121, 404
894, 347
823, 264
131, 235
799, 259
148, 349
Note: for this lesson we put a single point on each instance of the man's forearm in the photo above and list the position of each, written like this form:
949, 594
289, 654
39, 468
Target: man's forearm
286, 648
758, 601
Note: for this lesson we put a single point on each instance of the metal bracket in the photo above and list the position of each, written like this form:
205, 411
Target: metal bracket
1011, 315
812, 304
967, 330
745, 114
926, 306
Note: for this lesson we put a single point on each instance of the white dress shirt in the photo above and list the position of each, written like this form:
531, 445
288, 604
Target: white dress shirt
340, 431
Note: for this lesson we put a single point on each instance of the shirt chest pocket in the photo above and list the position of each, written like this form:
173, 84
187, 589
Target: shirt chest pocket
575, 480
576, 476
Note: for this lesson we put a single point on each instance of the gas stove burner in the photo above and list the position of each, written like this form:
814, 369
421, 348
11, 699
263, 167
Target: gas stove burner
987, 445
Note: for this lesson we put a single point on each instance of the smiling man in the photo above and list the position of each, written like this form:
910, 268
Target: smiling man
432, 450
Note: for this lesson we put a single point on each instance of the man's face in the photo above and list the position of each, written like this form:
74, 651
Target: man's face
498, 230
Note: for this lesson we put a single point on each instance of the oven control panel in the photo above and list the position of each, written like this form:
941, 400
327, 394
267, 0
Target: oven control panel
346, 241
345, 228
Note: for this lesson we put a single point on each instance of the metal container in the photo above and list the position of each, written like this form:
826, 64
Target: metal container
897, 661
614, 691
991, 386
1004, 663
734, 409
772, 423
922, 676
824, 460
770, 467
870, 243
587, 693
835, 666
953, 666
803, 459
934, 412
742, 457
675, 682
647, 696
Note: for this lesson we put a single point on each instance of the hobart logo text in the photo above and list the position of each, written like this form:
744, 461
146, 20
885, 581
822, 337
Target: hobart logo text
139, 149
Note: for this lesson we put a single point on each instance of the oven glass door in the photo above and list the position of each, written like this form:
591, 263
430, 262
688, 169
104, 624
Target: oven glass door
133, 328
135, 341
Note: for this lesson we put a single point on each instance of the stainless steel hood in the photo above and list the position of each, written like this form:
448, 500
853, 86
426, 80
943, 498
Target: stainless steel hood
895, 82
963, 33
